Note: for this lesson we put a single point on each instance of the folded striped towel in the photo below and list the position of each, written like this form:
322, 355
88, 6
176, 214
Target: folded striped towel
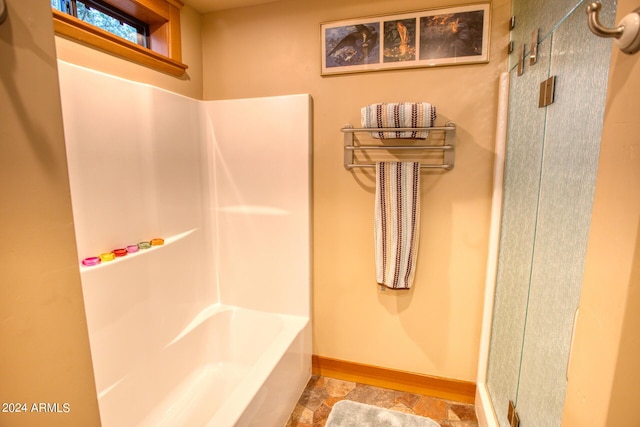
399, 115
397, 222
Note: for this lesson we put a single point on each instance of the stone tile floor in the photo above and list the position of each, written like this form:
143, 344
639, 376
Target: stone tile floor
322, 393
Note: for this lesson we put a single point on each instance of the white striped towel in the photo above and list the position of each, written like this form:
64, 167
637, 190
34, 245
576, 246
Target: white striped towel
398, 115
397, 222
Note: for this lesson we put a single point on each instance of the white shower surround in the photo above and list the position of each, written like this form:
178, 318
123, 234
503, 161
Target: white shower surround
224, 304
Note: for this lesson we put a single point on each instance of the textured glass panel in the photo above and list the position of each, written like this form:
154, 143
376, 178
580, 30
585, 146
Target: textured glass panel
520, 200
548, 14
537, 14
571, 149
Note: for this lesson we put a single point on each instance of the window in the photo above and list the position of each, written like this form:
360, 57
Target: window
144, 31
107, 17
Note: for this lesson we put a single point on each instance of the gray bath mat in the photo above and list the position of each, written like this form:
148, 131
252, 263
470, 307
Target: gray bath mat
353, 414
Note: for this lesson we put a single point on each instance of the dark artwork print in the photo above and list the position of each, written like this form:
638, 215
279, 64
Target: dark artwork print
399, 40
451, 35
352, 45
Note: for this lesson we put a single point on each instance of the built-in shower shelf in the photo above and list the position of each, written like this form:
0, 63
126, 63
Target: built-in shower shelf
168, 241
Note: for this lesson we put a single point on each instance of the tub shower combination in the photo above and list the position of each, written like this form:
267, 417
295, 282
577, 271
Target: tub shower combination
211, 328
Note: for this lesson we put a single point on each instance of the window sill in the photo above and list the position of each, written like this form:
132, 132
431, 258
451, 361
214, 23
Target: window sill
75, 29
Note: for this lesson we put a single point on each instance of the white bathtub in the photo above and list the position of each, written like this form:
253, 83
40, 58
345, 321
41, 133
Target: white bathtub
224, 369
212, 327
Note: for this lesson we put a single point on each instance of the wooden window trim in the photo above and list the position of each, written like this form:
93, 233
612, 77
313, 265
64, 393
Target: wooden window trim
163, 17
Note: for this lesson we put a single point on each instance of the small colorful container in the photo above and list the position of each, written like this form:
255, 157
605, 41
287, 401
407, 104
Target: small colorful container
107, 256
91, 261
120, 252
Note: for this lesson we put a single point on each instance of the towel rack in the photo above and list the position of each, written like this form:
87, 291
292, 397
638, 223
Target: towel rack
448, 147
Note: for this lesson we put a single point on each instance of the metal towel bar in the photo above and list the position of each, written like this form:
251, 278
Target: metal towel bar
448, 148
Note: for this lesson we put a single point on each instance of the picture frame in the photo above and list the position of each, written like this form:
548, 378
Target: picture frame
427, 38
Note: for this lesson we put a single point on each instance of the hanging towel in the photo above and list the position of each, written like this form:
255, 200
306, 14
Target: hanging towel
397, 222
398, 115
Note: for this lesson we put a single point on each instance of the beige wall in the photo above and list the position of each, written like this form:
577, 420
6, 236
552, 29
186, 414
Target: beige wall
604, 377
189, 85
434, 328
44, 356
272, 50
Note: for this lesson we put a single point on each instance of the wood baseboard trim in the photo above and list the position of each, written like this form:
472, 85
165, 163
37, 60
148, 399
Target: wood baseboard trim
457, 390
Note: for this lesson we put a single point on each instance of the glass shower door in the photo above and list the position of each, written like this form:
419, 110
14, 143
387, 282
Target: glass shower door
550, 171
523, 164
573, 131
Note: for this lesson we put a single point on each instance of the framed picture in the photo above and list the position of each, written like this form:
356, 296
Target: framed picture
428, 38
